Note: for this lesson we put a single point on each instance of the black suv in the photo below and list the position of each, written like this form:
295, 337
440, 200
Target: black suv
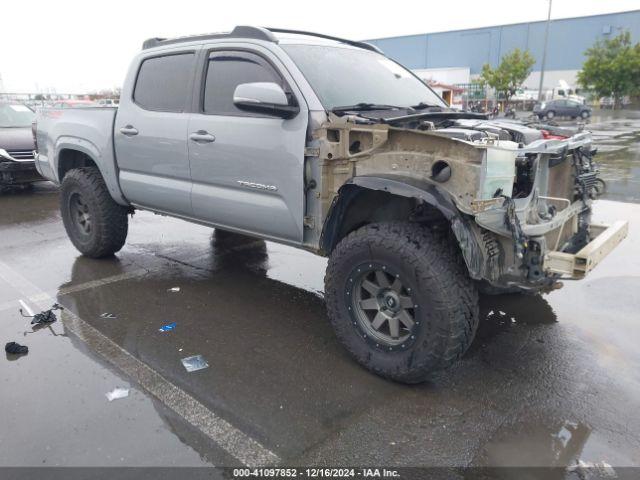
562, 108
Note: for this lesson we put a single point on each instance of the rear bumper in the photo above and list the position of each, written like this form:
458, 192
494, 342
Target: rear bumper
577, 265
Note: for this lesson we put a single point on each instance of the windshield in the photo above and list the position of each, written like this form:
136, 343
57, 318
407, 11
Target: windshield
349, 76
15, 115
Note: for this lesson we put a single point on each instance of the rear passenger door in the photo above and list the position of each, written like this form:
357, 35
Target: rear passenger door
150, 133
561, 108
248, 175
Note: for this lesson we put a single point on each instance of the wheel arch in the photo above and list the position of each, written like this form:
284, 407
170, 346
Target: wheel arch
71, 153
70, 158
393, 198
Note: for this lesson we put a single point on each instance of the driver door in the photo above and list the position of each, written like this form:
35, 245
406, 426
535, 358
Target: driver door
246, 167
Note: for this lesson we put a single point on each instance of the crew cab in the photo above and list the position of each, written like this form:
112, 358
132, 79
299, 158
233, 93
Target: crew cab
326, 144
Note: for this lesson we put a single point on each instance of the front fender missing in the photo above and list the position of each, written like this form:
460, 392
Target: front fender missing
407, 188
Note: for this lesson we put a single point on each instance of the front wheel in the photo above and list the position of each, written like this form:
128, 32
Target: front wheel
585, 114
95, 223
400, 300
550, 115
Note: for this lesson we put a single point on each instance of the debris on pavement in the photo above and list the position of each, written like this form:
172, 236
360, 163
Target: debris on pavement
117, 393
195, 363
16, 349
44, 317
108, 315
174, 289
168, 327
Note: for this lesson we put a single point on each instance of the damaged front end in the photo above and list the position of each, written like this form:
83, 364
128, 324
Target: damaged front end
517, 197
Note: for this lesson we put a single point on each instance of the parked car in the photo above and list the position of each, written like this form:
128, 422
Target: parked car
17, 167
327, 145
561, 108
107, 102
73, 104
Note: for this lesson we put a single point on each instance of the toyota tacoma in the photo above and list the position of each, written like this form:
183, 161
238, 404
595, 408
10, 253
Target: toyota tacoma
326, 144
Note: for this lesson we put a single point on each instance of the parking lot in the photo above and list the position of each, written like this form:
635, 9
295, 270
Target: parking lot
549, 380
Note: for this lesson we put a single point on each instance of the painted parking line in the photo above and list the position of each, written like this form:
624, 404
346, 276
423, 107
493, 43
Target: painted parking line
140, 272
241, 446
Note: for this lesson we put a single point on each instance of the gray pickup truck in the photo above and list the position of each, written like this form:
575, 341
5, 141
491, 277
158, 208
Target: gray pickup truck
326, 144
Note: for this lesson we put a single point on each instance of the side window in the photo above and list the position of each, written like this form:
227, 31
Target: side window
163, 83
227, 70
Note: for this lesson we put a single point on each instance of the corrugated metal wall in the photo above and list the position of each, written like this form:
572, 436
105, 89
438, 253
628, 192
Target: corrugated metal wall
568, 39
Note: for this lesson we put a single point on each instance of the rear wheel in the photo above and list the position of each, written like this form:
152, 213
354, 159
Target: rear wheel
585, 114
95, 223
400, 300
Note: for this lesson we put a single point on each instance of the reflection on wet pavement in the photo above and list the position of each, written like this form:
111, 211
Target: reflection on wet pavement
617, 137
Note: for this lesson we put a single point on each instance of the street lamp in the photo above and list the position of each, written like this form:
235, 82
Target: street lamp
544, 52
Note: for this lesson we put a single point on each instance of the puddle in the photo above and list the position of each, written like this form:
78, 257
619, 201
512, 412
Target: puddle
534, 444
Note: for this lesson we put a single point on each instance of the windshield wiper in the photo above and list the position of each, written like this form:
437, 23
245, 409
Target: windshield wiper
363, 106
423, 105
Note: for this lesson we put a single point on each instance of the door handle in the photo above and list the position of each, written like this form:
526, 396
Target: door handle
202, 136
129, 130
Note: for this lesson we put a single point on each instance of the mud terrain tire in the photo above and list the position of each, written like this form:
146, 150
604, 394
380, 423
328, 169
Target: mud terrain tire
432, 273
95, 223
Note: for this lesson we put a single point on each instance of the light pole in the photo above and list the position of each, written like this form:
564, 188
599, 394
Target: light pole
544, 52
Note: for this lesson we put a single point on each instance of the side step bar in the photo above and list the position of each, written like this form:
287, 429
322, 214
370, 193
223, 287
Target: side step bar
577, 265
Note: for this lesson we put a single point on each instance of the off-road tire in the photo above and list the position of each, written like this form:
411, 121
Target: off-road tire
446, 319
109, 223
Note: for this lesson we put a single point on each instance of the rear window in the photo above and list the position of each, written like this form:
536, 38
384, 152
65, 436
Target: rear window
163, 82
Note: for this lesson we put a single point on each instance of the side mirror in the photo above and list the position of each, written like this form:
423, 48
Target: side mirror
264, 97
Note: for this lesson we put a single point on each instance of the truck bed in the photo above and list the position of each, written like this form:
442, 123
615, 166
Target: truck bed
88, 130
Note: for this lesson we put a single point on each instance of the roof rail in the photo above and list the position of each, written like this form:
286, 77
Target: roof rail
241, 31
257, 33
365, 45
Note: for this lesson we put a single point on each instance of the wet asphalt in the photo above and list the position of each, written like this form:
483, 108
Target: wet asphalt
549, 380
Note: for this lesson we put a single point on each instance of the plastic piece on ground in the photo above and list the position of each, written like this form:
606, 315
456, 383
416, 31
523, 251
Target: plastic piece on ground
117, 393
174, 289
168, 327
107, 315
195, 363
16, 349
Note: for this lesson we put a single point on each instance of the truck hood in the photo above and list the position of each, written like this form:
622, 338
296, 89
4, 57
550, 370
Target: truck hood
18, 138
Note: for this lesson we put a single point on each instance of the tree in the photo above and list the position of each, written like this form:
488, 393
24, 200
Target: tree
612, 68
513, 70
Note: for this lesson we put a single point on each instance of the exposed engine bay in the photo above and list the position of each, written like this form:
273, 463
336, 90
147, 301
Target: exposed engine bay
519, 191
